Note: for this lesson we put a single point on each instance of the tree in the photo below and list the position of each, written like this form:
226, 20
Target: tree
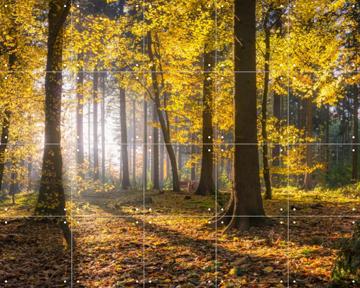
206, 183
4, 141
246, 201
355, 136
103, 90
79, 122
125, 181
165, 128
271, 18
155, 151
145, 147
51, 200
95, 124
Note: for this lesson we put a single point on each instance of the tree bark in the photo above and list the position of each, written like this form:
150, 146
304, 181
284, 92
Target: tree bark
164, 126
206, 184
95, 125
308, 132
14, 185
125, 181
265, 149
162, 159
155, 151
355, 136
134, 142
245, 206
193, 166
103, 90
80, 123
327, 138
145, 161
29, 174
89, 136
51, 198
5, 128
4, 142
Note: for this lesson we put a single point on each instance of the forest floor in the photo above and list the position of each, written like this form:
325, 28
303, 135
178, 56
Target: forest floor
165, 240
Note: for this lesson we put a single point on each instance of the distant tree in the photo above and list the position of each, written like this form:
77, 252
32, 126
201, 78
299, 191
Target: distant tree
164, 125
103, 120
95, 124
155, 151
80, 122
125, 181
206, 183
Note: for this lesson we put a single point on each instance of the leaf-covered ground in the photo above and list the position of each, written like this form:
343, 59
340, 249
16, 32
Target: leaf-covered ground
165, 240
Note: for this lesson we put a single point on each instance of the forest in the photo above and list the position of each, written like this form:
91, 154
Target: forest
179, 143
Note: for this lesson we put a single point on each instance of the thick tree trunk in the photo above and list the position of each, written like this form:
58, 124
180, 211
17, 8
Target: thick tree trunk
206, 183
103, 170
95, 125
265, 149
80, 123
164, 126
51, 198
308, 132
245, 205
125, 181
155, 151
355, 136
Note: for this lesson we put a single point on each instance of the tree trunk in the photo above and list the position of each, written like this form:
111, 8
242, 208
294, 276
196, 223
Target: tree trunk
79, 123
125, 182
161, 166
206, 184
51, 198
134, 142
155, 151
245, 205
29, 174
4, 142
308, 132
355, 137
193, 166
103, 172
265, 149
5, 128
89, 136
95, 125
145, 161
14, 185
327, 139
164, 126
